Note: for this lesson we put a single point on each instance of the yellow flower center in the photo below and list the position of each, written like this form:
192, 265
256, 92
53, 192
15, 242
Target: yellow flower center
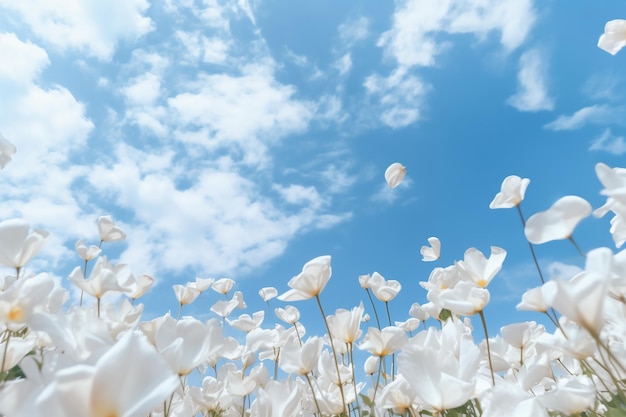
15, 313
481, 283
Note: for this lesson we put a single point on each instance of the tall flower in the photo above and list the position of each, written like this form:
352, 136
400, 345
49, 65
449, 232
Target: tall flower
108, 231
511, 192
480, 269
559, 221
17, 245
310, 282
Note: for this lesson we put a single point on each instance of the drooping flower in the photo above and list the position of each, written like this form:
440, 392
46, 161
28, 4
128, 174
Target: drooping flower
310, 282
431, 253
559, 221
394, 174
17, 245
614, 37
108, 231
511, 192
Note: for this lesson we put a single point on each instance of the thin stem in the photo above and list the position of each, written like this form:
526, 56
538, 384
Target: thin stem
571, 239
308, 379
332, 346
6, 349
482, 319
356, 395
532, 249
369, 295
180, 308
393, 356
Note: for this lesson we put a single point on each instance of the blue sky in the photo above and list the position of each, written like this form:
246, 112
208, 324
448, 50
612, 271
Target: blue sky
244, 138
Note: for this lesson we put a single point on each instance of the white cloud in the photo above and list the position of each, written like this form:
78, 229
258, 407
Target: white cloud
236, 112
26, 62
89, 26
532, 94
400, 96
596, 114
412, 39
213, 50
609, 143
353, 30
343, 64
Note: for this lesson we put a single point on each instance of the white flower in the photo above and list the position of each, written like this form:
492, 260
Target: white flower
395, 174
431, 253
614, 37
511, 192
7, 150
559, 221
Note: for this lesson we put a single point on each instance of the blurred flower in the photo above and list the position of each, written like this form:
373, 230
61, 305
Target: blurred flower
558, 222
17, 245
289, 314
511, 192
267, 293
394, 174
398, 396
185, 294
310, 282
223, 285
7, 150
102, 279
108, 231
465, 298
614, 37
571, 396
431, 253
247, 323
87, 253
582, 298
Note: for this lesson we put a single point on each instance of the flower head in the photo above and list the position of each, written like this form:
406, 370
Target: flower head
17, 245
310, 282
559, 221
395, 174
511, 192
614, 37
431, 253
108, 231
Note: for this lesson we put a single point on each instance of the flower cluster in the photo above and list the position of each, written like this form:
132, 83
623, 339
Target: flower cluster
62, 358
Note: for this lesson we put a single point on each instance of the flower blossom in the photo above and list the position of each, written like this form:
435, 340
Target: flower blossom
7, 150
431, 253
511, 192
394, 174
614, 37
17, 245
558, 222
310, 282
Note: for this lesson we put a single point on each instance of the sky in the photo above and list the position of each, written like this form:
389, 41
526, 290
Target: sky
243, 138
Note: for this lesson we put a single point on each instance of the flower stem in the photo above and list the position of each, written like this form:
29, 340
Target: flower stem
369, 295
482, 319
532, 249
332, 346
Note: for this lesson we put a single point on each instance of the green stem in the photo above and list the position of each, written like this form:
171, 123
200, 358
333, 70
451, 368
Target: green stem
332, 346
482, 319
369, 295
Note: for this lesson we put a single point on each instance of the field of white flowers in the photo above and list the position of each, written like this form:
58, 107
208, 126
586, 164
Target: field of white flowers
103, 360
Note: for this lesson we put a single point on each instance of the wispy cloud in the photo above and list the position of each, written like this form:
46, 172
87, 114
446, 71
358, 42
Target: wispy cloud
532, 93
596, 114
85, 26
609, 143
413, 41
